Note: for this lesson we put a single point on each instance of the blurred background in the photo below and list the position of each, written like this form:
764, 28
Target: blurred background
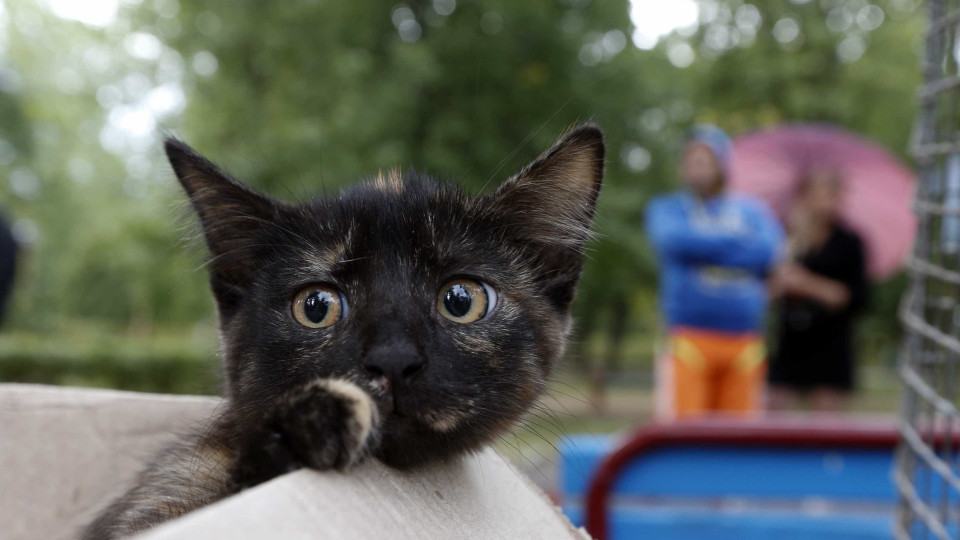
299, 97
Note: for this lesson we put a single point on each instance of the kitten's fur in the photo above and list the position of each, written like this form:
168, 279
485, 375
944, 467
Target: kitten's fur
297, 396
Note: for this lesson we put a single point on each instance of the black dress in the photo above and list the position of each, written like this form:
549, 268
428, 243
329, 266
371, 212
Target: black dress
814, 344
8, 260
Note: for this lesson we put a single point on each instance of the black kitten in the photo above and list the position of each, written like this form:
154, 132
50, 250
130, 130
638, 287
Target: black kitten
400, 318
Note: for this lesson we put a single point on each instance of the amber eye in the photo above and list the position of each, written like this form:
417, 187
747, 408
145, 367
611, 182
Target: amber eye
466, 300
318, 306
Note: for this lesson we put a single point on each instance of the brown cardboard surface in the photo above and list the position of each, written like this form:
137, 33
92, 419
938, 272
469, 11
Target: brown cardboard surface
66, 451
476, 497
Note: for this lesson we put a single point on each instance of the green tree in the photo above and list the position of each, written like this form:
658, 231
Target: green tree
304, 97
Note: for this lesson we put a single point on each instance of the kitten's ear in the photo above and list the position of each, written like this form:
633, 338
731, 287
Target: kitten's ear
231, 215
551, 204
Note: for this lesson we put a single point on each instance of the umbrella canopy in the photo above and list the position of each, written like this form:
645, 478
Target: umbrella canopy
878, 187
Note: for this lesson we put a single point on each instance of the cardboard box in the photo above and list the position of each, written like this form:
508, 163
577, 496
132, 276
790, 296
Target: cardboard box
65, 452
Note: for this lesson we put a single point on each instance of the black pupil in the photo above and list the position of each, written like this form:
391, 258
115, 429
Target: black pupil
457, 300
316, 306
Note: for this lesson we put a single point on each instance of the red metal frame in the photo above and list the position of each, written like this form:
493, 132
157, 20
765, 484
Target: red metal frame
785, 431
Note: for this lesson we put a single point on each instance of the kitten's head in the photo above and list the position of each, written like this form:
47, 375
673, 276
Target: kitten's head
450, 309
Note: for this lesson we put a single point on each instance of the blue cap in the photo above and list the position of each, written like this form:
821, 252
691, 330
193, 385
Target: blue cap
716, 140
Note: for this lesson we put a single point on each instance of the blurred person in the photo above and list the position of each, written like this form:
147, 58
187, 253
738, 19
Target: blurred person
8, 263
716, 250
821, 288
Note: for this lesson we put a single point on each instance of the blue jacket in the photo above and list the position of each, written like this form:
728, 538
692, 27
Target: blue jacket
714, 258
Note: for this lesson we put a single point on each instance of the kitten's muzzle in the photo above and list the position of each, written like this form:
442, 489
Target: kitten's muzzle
393, 369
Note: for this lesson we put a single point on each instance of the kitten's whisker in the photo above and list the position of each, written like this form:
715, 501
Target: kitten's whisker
575, 418
560, 403
293, 196
552, 432
510, 465
521, 454
575, 398
542, 406
568, 385
524, 143
529, 429
576, 451
355, 259
211, 260
258, 219
532, 447
539, 411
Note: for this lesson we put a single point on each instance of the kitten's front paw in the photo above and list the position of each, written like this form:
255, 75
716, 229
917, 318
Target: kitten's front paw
328, 424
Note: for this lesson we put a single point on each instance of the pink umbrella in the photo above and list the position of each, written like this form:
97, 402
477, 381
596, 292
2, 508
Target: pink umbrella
879, 188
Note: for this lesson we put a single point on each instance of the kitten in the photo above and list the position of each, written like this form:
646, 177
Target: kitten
400, 319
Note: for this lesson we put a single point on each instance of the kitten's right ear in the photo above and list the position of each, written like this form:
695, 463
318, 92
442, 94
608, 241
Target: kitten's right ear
231, 215
550, 205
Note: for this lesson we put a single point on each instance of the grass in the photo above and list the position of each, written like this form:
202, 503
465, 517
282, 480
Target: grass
170, 361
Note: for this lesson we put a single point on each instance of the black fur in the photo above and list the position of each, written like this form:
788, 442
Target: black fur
388, 244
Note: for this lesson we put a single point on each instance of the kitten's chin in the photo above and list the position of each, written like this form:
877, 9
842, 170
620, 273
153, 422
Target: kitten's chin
406, 443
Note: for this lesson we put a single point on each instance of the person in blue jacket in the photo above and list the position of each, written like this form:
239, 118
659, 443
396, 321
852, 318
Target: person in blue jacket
716, 250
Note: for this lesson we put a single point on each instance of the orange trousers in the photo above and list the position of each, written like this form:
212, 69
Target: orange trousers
706, 372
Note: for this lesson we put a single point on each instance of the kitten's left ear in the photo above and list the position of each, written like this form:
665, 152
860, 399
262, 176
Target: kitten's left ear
551, 203
232, 216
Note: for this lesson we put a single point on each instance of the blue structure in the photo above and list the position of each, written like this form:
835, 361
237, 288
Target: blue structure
719, 491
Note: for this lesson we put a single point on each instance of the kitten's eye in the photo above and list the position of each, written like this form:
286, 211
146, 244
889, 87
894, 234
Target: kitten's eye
318, 306
466, 300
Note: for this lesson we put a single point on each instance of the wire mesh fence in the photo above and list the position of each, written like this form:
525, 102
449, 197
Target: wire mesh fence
928, 469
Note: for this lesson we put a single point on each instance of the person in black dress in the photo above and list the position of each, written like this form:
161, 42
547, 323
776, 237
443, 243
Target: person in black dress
8, 263
821, 290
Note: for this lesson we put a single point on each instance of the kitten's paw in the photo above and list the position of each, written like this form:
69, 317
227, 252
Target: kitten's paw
328, 424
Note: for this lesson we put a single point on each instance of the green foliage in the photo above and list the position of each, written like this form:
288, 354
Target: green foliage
176, 363
301, 97
838, 67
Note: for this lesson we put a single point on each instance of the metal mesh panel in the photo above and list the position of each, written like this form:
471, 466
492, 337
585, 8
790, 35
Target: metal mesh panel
928, 470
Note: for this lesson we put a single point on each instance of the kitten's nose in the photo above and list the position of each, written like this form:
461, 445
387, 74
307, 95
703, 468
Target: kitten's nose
398, 366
